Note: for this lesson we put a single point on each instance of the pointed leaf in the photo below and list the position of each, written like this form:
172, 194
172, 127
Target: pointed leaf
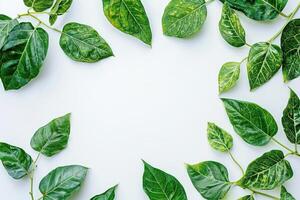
39, 5
60, 7
228, 76
108, 195
248, 197
284, 195
6, 25
218, 138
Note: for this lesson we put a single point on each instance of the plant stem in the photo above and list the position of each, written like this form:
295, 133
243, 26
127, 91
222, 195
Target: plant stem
243, 60
31, 176
236, 162
31, 187
248, 45
264, 194
283, 146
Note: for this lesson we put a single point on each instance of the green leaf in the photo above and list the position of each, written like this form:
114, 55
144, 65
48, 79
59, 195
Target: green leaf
291, 118
62, 182
83, 43
248, 197
53, 137
108, 195
23, 55
264, 60
210, 179
60, 7
15, 160
267, 172
6, 25
290, 44
218, 138
231, 28
184, 18
129, 16
253, 123
284, 195
228, 76
159, 185
39, 5
259, 9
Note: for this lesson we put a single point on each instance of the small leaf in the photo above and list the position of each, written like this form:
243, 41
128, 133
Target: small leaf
267, 172
231, 28
108, 195
129, 16
159, 185
228, 76
39, 5
253, 123
210, 179
184, 18
53, 137
248, 197
264, 60
15, 160
218, 138
6, 25
83, 43
23, 55
62, 182
290, 44
60, 7
284, 195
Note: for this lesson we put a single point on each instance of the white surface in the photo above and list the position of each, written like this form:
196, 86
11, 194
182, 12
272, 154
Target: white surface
144, 103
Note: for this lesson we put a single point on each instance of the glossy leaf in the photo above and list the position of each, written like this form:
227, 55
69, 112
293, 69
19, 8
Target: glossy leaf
108, 195
290, 44
39, 5
284, 195
62, 182
23, 55
267, 172
53, 137
228, 76
253, 123
6, 25
60, 7
15, 160
184, 18
83, 43
259, 9
231, 28
218, 138
264, 60
248, 197
159, 185
210, 179
129, 16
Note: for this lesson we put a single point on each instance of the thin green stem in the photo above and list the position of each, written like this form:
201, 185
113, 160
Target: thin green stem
31, 176
248, 45
244, 60
284, 15
31, 187
283, 146
209, 1
264, 194
236, 162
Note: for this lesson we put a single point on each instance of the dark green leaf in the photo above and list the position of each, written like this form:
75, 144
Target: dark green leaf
264, 60
62, 182
248, 197
159, 185
218, 138
60, 7
15, 160
228, 76
231, 28
290, 44
259, 9
6, 25
129, 16
53, 137
83, 43
23, 55
108, 195
253, 123
284, 195
39, 5
210, 179
267, 172
184, 18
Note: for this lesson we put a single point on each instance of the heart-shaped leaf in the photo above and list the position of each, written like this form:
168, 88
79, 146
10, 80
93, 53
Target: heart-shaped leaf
284, 195
248, 197
218, 138
6, 25
228, 76
108, 195
39, 5
60, 7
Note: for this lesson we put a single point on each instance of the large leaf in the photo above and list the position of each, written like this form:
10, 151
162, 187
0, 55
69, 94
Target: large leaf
159, 185
39, 5
108, 195
6, 25
231, 28
62, 182
53, 137
267, 172
60, 7
23, 55
210, 179
264, 60
253, 123
259, 9
184, 18
228, 76
290, 44
218, 138
15, 160
129, 16
248, 197
83, 43
284, 195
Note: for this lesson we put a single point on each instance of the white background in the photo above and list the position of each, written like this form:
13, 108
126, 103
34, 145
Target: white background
144, 103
